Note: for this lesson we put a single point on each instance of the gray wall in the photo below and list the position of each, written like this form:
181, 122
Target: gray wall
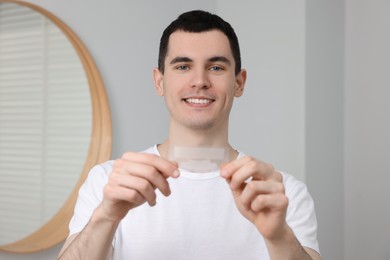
324, 120
315, 95
367, 130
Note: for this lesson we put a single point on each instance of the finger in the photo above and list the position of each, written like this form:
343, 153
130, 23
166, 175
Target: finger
263, 170
167, 168
147, 172
262, 202
142, 186
227, 169
257, 188
240, 171
119, 193
243, 174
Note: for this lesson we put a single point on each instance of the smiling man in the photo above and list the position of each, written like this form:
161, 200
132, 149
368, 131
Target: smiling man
147, 206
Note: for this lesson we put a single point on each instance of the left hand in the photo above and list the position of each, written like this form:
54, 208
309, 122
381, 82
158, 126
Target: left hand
261, 199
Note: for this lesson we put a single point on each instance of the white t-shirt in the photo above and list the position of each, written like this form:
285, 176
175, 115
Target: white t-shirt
198, 221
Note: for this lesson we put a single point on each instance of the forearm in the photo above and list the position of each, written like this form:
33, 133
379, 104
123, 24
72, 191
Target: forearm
287, 247
93, 242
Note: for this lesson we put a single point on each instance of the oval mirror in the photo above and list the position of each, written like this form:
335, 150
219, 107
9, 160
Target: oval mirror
54, 125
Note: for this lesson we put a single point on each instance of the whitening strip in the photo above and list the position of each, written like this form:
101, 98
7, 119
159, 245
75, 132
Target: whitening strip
199, 159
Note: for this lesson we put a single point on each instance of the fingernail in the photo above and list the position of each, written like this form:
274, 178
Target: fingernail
224, 173
176, 173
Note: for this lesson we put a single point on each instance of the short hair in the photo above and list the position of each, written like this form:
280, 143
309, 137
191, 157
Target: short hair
199, 21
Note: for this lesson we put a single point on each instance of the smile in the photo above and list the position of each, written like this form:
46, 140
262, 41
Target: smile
198, 101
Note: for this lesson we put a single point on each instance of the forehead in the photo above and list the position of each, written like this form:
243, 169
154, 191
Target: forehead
199, 45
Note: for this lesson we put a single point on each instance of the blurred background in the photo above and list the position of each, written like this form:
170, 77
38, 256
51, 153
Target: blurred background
316, 101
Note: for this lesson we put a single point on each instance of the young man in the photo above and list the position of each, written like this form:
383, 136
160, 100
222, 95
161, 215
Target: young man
243, 210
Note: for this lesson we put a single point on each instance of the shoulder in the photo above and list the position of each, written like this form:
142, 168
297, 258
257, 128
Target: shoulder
295, 189
152, 150
291, 181
301, 216
102, 169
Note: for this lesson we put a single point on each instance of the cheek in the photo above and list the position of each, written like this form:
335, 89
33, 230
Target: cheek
174, 84
172, 91
229, 88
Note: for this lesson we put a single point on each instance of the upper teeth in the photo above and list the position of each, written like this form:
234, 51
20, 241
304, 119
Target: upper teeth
198, 101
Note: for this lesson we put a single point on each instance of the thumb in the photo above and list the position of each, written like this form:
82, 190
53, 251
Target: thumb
238, 191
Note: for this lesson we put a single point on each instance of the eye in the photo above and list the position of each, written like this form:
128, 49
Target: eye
216, 68
182, 67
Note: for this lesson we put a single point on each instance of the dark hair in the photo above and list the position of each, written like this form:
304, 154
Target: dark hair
199, 21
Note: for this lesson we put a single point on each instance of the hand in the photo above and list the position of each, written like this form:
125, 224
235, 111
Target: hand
258, 192
133, 181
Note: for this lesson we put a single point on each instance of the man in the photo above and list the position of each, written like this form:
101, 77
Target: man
244, 210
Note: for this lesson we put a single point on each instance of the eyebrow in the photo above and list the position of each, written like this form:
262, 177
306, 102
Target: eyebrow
212, 59
221, 59
180, 59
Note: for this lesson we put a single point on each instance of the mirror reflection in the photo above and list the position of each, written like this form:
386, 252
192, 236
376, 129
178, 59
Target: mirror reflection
45, 120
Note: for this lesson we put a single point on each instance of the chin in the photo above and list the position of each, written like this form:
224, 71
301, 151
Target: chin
197, 125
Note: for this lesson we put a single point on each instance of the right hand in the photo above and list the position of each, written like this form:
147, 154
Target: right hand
133, 181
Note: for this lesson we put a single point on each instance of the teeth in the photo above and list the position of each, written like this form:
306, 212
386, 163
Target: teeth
198, 101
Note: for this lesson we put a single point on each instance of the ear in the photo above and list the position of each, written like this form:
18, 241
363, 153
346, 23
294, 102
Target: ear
240, 83
158, 81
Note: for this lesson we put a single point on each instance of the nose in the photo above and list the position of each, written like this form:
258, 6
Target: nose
200, 80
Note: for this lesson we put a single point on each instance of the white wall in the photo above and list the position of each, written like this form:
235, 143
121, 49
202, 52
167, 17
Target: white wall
367, 130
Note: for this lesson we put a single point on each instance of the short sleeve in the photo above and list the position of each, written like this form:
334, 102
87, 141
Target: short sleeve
301, 216
89, 197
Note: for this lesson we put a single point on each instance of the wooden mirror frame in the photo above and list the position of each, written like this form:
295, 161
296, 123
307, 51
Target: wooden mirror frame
55, 230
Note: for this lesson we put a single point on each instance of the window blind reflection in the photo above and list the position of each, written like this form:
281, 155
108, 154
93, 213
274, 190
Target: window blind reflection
45, 120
